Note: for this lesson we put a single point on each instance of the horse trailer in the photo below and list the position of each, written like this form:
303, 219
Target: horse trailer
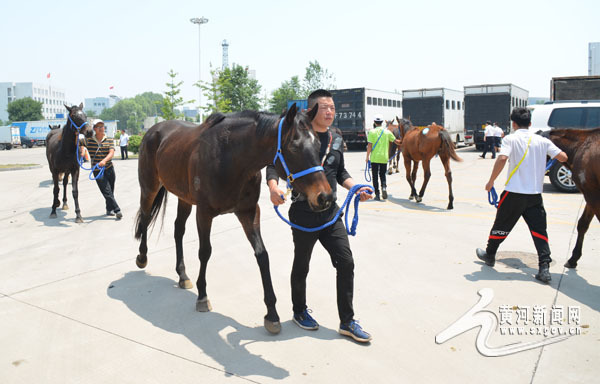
436, 105
355, 110
491, 102
575, 88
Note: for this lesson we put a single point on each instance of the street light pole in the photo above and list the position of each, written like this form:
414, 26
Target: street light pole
199, 21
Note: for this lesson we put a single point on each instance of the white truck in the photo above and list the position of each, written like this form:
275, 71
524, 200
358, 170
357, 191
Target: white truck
9, 137
440, 105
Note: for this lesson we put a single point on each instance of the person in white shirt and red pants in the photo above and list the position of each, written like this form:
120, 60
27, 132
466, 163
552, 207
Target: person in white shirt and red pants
526, 154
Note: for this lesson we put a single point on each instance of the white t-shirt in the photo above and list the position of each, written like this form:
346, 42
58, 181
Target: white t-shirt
124, 140
498, 132
489, 130
529, 178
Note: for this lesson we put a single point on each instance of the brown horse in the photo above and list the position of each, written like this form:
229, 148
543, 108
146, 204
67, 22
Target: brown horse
61, 152
583, 148
421, 145
394, 149
217, 167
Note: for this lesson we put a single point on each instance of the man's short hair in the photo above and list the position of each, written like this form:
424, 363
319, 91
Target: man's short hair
314, 96
521, 116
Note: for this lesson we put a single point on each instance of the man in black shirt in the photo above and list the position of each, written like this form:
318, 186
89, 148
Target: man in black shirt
333, 238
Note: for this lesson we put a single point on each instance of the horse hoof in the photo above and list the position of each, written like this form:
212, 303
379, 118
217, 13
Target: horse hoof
568, 264
185, 284
450, 207
419, 199
203, 305
79, 220
274, 327
65, 207
53, 215
141, 264
411, 197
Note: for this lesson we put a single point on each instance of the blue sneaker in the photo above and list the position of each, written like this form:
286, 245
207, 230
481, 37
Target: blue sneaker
353, 329
305, 320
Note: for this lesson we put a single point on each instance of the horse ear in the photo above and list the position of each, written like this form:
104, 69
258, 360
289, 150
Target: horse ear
80, 105
313, 112
68, 108
290, 115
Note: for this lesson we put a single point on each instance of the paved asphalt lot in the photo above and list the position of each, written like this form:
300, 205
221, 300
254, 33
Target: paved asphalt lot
74, 308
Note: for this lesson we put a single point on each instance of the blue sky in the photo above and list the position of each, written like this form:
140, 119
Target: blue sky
88, 46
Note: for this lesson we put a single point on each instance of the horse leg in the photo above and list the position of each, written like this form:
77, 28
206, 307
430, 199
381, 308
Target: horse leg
204, 224
582, 226
183, 212
408, 167
446, 164
250, 219
397, 161
56, 190
75, 188
426, 176
413, 178
65, 207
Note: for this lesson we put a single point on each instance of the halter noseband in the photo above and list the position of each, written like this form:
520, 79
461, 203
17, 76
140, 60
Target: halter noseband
290, 176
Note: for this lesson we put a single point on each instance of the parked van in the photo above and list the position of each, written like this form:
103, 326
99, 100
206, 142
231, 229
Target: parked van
567, 114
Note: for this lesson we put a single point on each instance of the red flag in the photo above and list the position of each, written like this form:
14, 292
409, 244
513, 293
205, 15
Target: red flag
48, 75
111, 87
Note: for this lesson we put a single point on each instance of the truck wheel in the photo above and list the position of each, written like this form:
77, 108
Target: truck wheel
2, 147
560, 177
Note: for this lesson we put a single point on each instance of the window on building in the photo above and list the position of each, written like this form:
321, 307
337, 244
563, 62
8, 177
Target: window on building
385, 102
447, 104
453, 104
458, 105
369, 100
379, 101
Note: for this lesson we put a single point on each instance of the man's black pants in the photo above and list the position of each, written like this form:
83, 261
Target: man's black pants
106, 184
379, 172
510, 208
489, 146
335, 240
124, 153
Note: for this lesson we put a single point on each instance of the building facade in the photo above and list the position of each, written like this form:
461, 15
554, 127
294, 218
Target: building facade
594, 59
98, 104
52, 98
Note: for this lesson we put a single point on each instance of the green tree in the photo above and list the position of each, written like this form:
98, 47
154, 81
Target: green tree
172, 99
289, 90
25, 109
317, 77
90, 113
128, 113
232, 90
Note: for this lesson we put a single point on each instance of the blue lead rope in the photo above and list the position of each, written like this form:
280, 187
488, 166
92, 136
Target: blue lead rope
80, 161
493, 195
346, 204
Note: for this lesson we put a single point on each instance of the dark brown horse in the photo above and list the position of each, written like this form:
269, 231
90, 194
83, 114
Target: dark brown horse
421, 145
394, 149
216, 166
583, 148
61, 152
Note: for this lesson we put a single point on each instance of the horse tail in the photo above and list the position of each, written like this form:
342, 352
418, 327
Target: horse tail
142, 223
447, 147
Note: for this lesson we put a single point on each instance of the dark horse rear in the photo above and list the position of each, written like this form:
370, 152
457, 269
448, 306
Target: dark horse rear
216, 166
582, 146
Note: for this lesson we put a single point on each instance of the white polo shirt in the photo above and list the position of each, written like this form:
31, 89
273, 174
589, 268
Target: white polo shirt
529, 178
489, 131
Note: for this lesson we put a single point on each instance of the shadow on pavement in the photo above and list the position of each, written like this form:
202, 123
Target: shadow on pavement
42, 215
411, 204
159, 301
572, 285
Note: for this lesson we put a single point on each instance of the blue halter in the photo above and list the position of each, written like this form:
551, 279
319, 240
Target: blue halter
290, 176
78, 128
